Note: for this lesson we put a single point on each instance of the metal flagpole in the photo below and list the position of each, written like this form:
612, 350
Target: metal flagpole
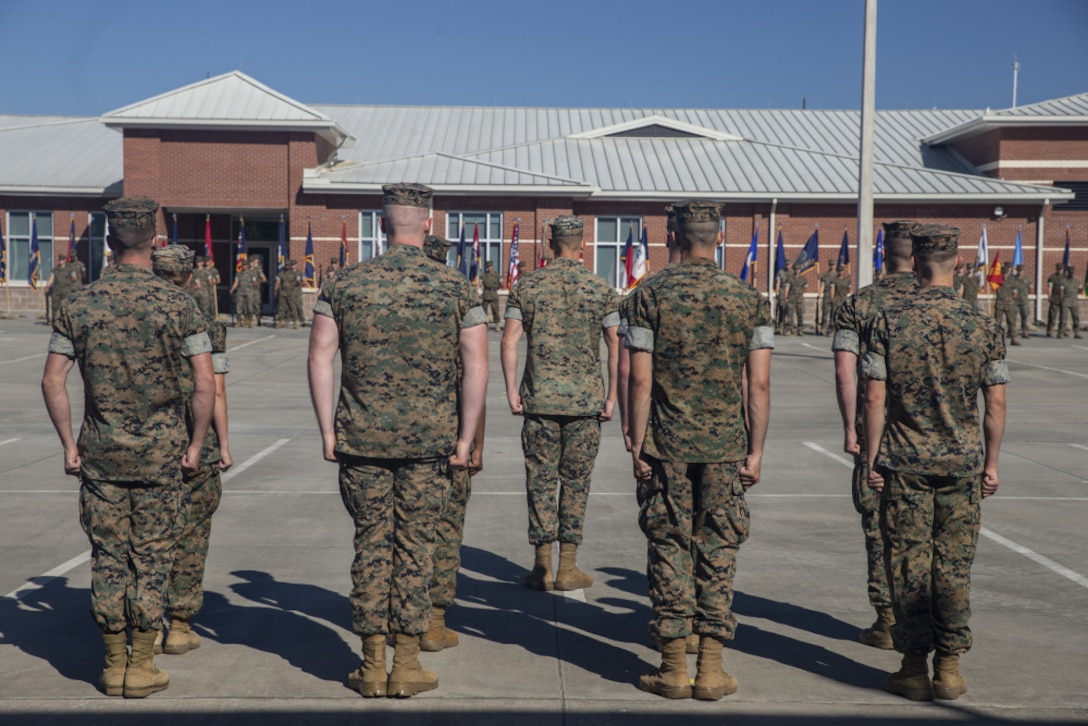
865, 172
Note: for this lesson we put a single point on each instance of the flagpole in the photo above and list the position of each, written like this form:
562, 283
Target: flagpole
865, 171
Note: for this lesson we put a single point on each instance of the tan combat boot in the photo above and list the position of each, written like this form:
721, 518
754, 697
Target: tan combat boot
711, 682
408, 677
181, 638
112, 679
541, 576
879, 634
370, 679
157, 650
948, 684
692, 641
671, 678
912, 679
438, 636
142, 677
568, 576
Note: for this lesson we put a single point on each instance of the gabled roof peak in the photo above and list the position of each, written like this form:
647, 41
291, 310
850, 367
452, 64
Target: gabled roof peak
655, 125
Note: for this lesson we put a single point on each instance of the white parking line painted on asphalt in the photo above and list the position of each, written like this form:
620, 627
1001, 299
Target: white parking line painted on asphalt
1079, 446
252, 342
1080, 347
816, 347
1036, 557
235, 471
841, 459
26, 357
1048, 368
578, 595
10, 441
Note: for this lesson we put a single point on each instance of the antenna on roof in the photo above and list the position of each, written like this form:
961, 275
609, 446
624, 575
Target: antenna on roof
804, 103
1015, 73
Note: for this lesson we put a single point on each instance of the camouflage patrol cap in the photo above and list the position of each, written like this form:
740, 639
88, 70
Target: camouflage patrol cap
290, 263
435, 247
407, 195
173, 258
697, 210
927, 238
567, 226
131, 213
899, 229
670, 219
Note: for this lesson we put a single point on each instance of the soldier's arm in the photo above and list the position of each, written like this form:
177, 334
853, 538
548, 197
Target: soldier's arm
219, 421
875, 394
511, 335
476, 460
993, 430
473, 345
324, 342
642, 378
59, 407
202, 405
758, 374
611, 341
846, 391
623, 388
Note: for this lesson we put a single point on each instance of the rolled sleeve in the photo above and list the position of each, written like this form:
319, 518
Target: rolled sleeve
322, 307
220, 363
847, 340
640, 339
874, 366
196, 344
611, 320
61, 345
762, 337
475, 316
512, 313
997, 373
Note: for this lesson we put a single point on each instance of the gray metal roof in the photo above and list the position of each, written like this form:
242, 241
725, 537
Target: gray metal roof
57, 155
1068, 111
1076, 106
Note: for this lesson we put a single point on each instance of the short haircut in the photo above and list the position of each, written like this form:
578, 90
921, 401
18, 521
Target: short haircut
898, 247
401, 220
938, 261
568, 242
130, 239
697, 234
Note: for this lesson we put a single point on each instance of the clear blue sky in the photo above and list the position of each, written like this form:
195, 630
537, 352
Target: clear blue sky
87, 57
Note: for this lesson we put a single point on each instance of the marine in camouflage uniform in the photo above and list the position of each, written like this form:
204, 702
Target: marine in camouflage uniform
849, 325
1022, 300
1004, 306
692, 331
827, 316
132, 334
289, 296
209, 303
204, 488
782, 280
563, 309
925, 360
795, 303
1054, 300
969, 284
1071, 288
400, 323
843, 285
491, 282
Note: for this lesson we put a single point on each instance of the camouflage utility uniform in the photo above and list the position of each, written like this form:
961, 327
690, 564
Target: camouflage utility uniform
1054, 302
491, 282
699, 324
396, 424
1004, 312
969, 282
843, 285
563, 308
934, 351
795, 305
1071, 289
827, 316
1022, 309
289, 298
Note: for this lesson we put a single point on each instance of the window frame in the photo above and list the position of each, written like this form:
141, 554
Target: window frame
488, 244
617, 245
17, 242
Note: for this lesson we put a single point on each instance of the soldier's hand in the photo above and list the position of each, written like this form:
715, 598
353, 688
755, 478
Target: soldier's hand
461, 455
515, 404
876, 481
72, 463
850, 442
329, 448
606, 414
475, 462
190, 461
226, 461
750, 471
643, 470
627, 439
989, 483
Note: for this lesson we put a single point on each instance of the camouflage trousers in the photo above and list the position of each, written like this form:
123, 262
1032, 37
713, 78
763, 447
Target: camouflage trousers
133, 532
1054, 317
395, 504
185, 592
288, 309
491, 308
867, 504
795, 315
931, 527
246, 305
559, 451
1024, 315
1072, 314
447, 540
695, 518
1005, 315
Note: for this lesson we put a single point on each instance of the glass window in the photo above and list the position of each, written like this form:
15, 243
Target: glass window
489, 225
372, 241
610, 240
19, 228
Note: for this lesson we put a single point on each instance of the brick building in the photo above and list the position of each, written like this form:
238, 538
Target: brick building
229, 149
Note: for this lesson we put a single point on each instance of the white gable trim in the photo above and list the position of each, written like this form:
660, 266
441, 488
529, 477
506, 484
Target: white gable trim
656, 120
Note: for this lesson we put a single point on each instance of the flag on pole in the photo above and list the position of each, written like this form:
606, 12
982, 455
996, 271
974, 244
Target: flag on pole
1065, 257
462, 253
982, 259
996, 276
543, 245
844, 250
748, 272
3, 259
281, 255
343, 243
474, 269
173, 239
73, 253
878, 251
780, 255
34, 263
512, 272
641, 266
308, 276
628, 256
241, 256
208, 237
810, 254
1018, 252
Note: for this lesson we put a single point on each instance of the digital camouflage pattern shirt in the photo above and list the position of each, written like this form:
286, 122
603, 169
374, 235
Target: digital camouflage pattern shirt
563, 308
130, 333
400, 318
699, 323
934, 350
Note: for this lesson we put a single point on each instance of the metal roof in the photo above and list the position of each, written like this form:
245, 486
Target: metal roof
57, 155
1068, 111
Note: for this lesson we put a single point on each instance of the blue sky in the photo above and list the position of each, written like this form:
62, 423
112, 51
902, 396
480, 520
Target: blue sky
88, 57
